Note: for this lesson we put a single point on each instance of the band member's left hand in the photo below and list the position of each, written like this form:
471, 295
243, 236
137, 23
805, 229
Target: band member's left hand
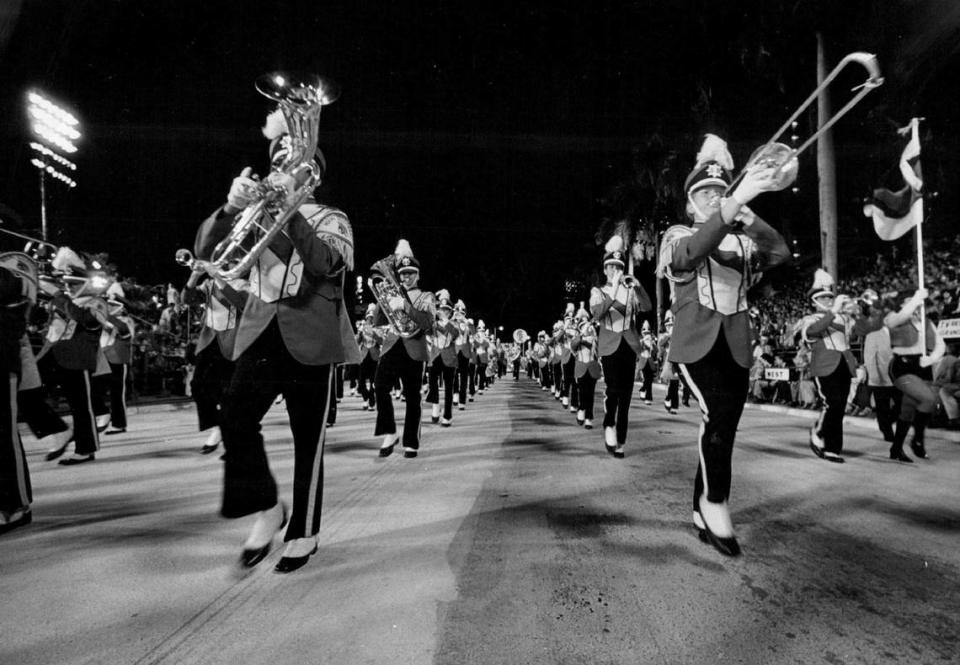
927, 361
396, 303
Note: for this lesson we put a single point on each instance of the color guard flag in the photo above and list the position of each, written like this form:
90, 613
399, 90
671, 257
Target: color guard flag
895, 213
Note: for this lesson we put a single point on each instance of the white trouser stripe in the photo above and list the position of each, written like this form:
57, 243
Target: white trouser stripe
14, 443
705, 410
123, 390
317, 459
818, 427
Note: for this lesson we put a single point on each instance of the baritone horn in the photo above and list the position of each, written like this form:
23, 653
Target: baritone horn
784, 158
385, 285
300, 100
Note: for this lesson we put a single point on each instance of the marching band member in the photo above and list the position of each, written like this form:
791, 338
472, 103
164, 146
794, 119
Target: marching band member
912, 372
16, 493
443, 360
73, 340
568, 361
615, 306
481, 345
709, 266
556, 360
586, 367
213, 352
116, 343
668, 371
832, 364
464, 345
369, 340
648, 362
49, 428
289, 336
541, 353
404, 360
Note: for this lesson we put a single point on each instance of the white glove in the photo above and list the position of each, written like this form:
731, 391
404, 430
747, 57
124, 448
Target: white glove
926, 361
759, 178
395, 303
244, 190
839, 303
48, 286
746, 216
285, 182
918, 297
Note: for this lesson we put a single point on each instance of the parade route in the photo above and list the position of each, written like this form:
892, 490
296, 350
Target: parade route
512, 538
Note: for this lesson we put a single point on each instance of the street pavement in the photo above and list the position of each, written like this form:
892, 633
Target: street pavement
513, 538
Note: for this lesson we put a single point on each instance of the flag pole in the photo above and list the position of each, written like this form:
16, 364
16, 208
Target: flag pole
915, 136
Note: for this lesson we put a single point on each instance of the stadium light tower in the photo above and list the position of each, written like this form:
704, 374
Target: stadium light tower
56, 131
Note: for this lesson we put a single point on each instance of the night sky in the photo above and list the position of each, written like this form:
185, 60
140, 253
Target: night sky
487, 134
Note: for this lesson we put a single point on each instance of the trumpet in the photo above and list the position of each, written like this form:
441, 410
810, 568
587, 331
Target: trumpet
782, 157
199, 268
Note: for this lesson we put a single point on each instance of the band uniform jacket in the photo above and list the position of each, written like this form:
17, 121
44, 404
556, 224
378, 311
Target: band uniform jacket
116, 340
877, 355
443, 342
710, 267
615, 310
297, 280
583, 347
464, 342
828, 335
422, 313
222, 306
73, 335
648, 352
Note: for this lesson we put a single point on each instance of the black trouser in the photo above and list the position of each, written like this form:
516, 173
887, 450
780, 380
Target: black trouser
557, 369
338, 379
36, 412
618, 371
673, 393
118, 395
266, 369
397, 364
516, 370
368, 369
886, 404
646, 389
833, 390
211, 378
75, 384
586, 388
437, 371
720, 386
569, 388
464, 378
481, 376
15, 491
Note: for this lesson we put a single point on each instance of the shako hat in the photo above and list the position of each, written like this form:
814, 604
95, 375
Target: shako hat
713, 167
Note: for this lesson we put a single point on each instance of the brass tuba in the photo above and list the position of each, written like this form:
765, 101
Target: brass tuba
300, 101
385, 285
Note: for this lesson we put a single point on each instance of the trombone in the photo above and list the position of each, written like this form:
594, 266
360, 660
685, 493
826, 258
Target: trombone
784, 158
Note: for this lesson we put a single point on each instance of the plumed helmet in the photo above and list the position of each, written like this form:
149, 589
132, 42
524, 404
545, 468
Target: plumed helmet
613, 252
713, 166
823, 285
405, 260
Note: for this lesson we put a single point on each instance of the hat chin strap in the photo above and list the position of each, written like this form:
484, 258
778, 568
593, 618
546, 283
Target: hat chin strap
698, 215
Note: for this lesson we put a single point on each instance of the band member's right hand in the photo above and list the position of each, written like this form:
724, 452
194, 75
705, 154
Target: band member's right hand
243, 191
758, 178
840, 303
395, 303
918, 297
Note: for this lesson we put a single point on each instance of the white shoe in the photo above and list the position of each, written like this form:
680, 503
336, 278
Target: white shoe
573, 409
300, 547
57, 440
435, 412
353, 392
268, 523
461, 407
581, 414
102, 422
446, 422
610, 437
588, 424
717, 515
389, 441
212, 442
565, 401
